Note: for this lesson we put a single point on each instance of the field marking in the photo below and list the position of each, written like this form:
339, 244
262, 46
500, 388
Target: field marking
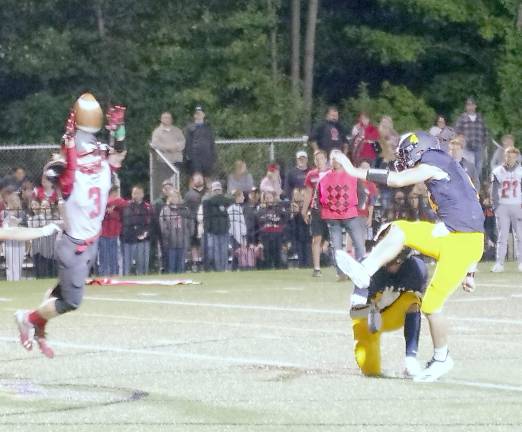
483, 385
216, 323
500, 285
244, 361
5, 299
487, 320
516, 295
182, 355
271, 308
475, 299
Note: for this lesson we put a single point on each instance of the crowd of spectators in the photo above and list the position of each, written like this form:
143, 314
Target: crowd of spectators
291, 217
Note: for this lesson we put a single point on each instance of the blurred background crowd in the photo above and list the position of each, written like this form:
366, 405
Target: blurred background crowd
294, 214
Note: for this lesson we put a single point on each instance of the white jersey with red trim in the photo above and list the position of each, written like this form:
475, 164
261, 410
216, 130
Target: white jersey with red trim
85, 206
510, 184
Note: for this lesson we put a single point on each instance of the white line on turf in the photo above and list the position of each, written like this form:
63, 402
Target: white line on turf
5, 299
475, 299
243, 361
482, 385
221, 305
271, 308
161, 353
487, 320
495, 284
216, 323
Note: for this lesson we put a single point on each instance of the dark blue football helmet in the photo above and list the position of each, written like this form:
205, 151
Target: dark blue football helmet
411, 147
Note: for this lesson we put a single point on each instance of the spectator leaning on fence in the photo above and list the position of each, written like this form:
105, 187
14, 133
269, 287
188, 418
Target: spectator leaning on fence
170, 141
175, 225
200, 150
472, 126
137, 219
338, 200
330, 133
240, 179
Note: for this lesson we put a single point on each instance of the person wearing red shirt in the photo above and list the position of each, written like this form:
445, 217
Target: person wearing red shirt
338, 199
367, 196
111, 230
364, 140
311, 211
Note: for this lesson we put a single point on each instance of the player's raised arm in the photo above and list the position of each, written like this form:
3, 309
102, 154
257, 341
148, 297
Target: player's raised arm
410, 172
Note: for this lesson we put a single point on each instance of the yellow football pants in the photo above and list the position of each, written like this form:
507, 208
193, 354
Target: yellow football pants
454, 252
367, 345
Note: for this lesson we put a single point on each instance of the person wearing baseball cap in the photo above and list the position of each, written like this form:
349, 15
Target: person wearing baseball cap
216, 228
296, 175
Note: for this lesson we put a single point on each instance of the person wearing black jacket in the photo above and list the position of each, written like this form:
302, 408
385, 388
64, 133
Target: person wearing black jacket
330, 133
216, 228
200, 146
135, 236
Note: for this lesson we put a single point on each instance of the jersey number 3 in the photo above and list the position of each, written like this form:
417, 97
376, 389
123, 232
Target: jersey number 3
507, 186
94, 195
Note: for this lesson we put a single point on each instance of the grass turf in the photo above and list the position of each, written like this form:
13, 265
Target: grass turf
253, 351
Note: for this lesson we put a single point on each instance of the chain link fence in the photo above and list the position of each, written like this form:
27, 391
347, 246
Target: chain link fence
256, 152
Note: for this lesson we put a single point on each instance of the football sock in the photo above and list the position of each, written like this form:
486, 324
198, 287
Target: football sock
441, 353
36, 319
412, 325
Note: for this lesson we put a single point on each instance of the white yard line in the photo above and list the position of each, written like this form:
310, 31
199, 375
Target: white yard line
222, 305
483, 385
475, 299
487, 320
217, 323
243, 361
183, 355
495, 284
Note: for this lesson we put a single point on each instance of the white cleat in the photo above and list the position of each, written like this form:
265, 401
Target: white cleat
434, 370
353, 269
411, 367
25, 329
497, 268
520, 267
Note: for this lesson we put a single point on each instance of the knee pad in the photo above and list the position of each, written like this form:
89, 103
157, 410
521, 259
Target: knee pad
63, 307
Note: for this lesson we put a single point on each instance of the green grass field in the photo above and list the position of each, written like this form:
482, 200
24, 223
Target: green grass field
254, 351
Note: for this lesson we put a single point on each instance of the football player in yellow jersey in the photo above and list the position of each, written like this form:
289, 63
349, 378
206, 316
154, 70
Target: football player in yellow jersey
456, 242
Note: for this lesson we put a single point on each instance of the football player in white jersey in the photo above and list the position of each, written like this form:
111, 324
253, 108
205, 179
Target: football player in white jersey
84, 182
506, 197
